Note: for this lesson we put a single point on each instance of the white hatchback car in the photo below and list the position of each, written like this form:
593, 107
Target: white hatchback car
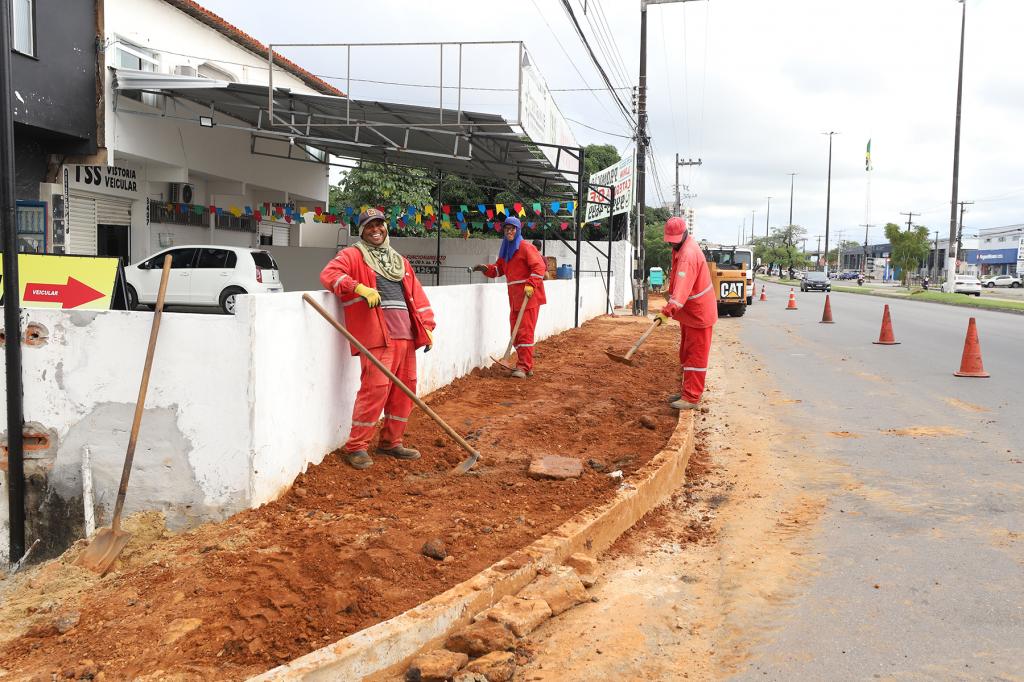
967, 284
203, 275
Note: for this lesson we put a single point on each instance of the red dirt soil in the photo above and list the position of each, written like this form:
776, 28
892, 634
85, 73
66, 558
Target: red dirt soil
340, 551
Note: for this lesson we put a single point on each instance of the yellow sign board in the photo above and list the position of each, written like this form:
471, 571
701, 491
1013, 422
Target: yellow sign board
68, 282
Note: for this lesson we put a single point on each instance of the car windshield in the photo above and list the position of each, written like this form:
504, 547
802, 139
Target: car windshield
264, 260
816, 276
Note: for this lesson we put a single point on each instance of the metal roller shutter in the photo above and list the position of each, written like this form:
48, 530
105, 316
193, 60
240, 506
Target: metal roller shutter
110, 211
82, 225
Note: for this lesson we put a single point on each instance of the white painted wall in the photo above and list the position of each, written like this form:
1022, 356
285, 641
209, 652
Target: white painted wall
238, 406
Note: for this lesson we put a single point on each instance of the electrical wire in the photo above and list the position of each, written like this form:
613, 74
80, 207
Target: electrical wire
598, 130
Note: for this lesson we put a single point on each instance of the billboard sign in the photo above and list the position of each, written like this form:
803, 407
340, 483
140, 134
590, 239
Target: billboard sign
621, 176
542, 121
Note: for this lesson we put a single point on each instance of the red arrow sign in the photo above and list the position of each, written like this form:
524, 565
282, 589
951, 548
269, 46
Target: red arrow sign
70, 295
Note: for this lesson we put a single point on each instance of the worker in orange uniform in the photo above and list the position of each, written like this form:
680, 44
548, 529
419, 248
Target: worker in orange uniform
523, 268
388, 312
692, 303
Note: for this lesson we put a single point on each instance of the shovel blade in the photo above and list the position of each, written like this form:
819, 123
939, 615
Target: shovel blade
502, 362
619, 358
466, 464
103, 551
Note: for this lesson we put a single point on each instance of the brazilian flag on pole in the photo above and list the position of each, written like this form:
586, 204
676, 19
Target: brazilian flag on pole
867, 157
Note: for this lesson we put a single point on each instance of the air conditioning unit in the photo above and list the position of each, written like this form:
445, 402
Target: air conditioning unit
186, 70
180, 193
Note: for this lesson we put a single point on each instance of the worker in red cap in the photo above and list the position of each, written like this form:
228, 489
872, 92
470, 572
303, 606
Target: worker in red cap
523, 268
388, 312
692, 303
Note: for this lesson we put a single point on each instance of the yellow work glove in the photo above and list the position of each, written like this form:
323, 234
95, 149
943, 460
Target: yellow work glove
371, 295
663, 318
529, 290
430, 336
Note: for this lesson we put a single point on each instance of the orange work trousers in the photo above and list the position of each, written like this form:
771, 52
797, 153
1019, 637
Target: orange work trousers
377, 393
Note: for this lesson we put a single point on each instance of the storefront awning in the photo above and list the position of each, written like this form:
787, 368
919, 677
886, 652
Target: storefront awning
446, 140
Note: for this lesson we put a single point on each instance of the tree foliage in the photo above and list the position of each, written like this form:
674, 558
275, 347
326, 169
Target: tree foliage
656, 251
907, 248
598, 157
780, 247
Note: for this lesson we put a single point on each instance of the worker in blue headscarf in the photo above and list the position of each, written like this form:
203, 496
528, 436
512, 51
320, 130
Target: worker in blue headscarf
523, 268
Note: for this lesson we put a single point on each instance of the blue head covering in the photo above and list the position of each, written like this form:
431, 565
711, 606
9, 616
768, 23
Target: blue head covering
509, 248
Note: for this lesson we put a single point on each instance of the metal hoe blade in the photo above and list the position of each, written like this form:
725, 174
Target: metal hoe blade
104, 549
466, 464
502, 362
619, 358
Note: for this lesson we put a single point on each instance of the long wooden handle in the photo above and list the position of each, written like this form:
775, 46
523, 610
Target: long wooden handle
140, 403
643, 337
389, 374
515, 327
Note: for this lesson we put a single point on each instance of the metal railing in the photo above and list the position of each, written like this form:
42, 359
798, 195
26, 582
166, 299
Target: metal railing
173, 214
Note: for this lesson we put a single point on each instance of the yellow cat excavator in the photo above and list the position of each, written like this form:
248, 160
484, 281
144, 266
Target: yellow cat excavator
728, 277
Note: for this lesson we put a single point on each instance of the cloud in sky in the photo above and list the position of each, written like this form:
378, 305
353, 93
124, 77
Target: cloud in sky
746, 85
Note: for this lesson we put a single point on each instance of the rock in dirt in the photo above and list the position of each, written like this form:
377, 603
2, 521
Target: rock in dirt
648, 422
555, 467
67, 621
561, 589
595, 464
178, 628
497, 667
434, 549
435, 666
585, 567
480, 638
469, 677
522, 616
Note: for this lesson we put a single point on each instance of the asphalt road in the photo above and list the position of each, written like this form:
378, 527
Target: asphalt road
920, 550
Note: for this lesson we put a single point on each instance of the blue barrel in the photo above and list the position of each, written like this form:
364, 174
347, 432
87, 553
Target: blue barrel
563, 272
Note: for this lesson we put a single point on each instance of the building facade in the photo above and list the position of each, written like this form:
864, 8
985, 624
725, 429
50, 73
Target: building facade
1001, 250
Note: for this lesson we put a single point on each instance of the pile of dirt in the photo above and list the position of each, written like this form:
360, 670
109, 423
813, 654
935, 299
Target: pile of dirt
340, 551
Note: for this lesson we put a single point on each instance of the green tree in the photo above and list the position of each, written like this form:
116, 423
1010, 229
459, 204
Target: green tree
907, 248
599, 157
374, 183
656, 251
780, 247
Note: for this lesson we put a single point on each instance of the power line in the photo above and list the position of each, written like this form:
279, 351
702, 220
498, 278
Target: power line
597, 130
605, 47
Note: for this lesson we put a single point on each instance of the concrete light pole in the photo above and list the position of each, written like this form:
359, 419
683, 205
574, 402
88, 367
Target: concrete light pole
828, 195
951, 254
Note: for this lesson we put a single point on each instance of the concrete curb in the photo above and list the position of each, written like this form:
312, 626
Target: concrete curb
386, 648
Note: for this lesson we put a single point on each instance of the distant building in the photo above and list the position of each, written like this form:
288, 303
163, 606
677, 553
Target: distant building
1001, 250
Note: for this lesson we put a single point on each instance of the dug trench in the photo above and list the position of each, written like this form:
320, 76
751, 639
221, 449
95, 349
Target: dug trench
341, 550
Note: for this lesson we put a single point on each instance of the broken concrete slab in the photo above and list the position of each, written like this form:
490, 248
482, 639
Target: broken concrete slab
435, 666
497, 667
481, 638
585, 567
555, 467
522, 616
561, 589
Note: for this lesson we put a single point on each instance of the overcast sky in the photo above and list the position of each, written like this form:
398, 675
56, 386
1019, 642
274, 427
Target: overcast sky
746, 85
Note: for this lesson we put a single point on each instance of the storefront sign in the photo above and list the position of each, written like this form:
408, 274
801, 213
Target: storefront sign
79, 282
1020, 256
120, 181
987, 256
621, 176
543, 122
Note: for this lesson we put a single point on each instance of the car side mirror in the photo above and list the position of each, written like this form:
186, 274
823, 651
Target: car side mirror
144, 266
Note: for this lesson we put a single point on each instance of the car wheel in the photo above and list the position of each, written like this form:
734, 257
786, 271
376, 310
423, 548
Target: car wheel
1015, 285
738, 310
978, 294
227, 299
991, 285
133, 297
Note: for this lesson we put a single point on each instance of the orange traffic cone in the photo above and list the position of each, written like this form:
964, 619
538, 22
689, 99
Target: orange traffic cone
826, 316
886, 337
764, 297
970, 363
792, 300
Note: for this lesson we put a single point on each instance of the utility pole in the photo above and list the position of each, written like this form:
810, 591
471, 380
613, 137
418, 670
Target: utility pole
791, 176
910, 216
817, 255
767, 215
864, 265
688, 162
642, 142
935, 260
752, 216
828, 194
960, 231
950, 255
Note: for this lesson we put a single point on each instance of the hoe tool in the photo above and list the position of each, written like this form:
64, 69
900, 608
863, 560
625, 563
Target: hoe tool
463, 466
505, 359
627, 359
108, 544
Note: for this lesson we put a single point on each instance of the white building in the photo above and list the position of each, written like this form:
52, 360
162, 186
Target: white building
156, 175
1001, 250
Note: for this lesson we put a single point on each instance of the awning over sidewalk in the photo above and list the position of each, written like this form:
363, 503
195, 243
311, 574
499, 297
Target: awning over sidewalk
447, 140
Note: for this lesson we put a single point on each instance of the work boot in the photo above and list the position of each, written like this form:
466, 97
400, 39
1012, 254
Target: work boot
518, 374
674, 397
359, 459
684, 405
398, 452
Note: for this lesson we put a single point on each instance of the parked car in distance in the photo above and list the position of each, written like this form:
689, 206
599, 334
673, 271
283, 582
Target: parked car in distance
1002, 281
203, 275
967, 284
815, 281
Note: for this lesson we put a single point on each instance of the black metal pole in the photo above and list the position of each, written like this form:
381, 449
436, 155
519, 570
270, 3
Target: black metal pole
791, 177
581, 195
611, 224
951, 254
767, 215
640, 306
12, 301
437, 223
828, 199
